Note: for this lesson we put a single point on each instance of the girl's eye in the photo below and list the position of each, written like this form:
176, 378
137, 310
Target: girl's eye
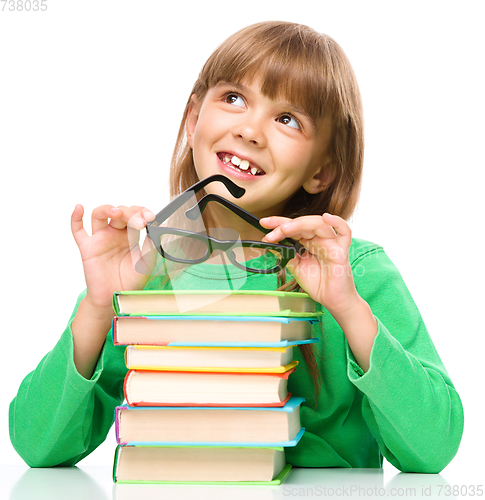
290, 121
235, 99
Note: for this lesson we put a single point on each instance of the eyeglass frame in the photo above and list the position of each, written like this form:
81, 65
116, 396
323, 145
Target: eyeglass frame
288, 248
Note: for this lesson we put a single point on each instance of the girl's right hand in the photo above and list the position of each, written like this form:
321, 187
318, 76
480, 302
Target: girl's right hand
109, 255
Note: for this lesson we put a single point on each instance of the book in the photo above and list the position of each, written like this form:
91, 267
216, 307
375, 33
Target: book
171, 388
217, 330
234, 359
206, 391
225, 302
203, 464
156, 426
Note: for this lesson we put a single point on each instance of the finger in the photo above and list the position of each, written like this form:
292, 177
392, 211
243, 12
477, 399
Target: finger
344, 233
306, 227
100, 216
276, 222
272, 222
135, 217
77, 227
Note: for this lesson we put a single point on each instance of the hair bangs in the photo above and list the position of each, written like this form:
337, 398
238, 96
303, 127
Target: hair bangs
290, 63
287, 81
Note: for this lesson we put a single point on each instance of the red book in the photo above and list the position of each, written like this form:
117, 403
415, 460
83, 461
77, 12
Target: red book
177, 388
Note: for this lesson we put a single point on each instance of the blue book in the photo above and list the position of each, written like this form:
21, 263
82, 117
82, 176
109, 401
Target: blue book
209, 426
214, 330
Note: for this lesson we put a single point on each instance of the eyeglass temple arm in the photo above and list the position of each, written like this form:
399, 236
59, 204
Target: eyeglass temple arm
182, 198
197, 210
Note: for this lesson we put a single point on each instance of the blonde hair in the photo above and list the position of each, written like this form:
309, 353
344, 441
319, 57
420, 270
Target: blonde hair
311, 71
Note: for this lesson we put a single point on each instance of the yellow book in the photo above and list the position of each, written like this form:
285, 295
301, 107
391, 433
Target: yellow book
210, 359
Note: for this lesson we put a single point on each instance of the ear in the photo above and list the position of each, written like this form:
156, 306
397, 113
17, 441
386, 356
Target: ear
191, 120
321, 179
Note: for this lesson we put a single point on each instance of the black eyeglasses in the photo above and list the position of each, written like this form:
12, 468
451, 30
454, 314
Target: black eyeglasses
200, 246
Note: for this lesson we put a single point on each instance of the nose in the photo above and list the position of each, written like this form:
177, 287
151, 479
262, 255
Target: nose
250, 129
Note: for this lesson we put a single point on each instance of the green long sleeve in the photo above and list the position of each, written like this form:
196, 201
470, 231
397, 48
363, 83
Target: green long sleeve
58, 417
404, 407
410, 404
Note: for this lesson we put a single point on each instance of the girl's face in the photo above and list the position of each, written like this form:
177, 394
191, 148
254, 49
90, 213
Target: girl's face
269, 147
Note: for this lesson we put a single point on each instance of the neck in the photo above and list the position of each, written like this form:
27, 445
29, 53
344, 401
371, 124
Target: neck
222, 221
225, 225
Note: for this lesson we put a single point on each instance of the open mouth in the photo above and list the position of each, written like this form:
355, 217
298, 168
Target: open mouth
241, 165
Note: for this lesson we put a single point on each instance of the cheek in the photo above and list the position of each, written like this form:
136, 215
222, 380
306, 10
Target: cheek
198, 162
205, 134
294, 158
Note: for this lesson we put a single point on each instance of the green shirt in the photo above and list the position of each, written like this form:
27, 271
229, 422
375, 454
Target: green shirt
404, 408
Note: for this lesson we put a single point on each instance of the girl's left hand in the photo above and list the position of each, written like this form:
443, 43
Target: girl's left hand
323, 271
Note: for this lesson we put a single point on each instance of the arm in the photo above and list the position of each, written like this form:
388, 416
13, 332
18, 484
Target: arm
64, 408
109, 257
58, 416
409, 404
324, 272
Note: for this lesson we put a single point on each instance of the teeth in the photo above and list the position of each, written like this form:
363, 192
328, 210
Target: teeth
242, 164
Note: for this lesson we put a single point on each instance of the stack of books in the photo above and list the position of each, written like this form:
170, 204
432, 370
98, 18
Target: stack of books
206, 390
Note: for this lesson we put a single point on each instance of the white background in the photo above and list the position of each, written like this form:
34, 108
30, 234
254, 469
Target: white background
91, 97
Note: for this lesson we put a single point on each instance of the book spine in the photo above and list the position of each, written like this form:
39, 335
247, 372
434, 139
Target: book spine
117, 423
115, 463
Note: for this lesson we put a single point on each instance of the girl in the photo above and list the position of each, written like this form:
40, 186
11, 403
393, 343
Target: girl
277, 109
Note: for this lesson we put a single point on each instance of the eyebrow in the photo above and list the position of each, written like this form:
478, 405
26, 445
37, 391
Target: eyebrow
291, 107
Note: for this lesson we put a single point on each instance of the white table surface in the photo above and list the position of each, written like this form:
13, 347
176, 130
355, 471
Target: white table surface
95, 483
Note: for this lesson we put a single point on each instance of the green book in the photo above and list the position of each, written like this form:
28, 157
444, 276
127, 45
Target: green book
199, 465
214, 302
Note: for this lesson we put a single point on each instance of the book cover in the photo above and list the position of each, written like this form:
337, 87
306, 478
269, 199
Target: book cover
199, 465
199, 426
210, 359
159, 388
274, 482
212, 330
225, 302
263, 444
